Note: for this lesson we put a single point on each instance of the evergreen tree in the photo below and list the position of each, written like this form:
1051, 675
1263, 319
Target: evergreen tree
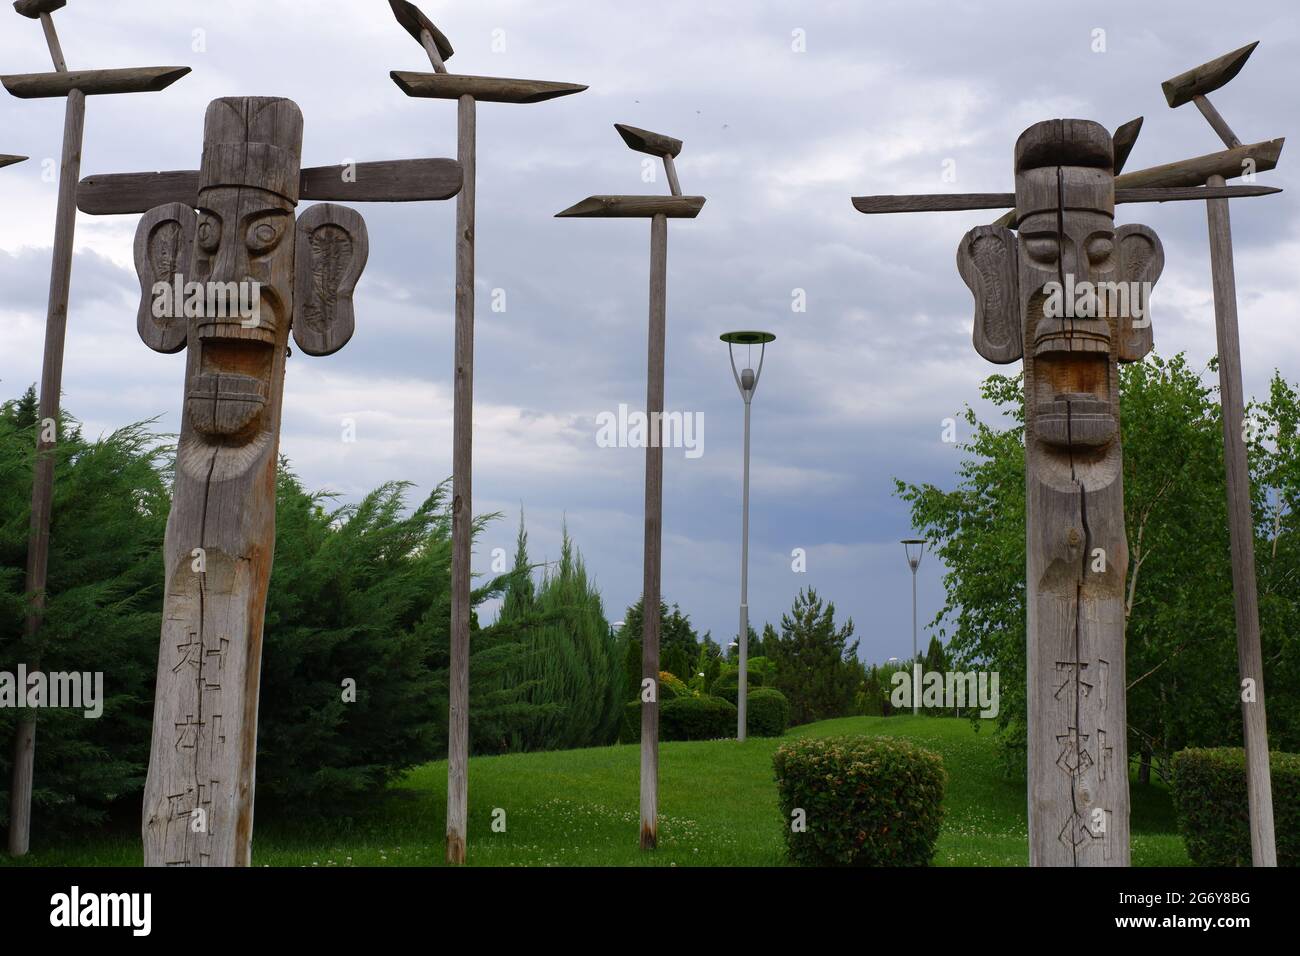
816, 667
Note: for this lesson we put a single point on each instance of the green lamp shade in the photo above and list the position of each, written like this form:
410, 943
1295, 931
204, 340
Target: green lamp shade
748, 338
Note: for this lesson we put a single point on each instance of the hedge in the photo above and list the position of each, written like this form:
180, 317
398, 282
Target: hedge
683, 718
1213, 814
767, 712
865, 801
697, 718
727, 686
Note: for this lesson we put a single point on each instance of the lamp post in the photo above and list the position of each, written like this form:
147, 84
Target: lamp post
747, 382
914, 562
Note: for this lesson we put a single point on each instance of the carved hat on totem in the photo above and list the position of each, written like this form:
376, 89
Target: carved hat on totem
1083, 145
253, 141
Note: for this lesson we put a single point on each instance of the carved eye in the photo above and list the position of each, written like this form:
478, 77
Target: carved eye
1100, 248
1043, 249
209, 233
264, 234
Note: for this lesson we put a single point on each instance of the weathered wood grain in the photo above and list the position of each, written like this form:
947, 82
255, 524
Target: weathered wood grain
1241, 534
1207, 77
398, 180
38, 538
32, 9
1216, 121
644, 141
951, 202
654, 504
7, 159
462, 513
1124, 140
635, 207
148, 79
415, 23
330, 253
485, 89
1228, 163
52, 42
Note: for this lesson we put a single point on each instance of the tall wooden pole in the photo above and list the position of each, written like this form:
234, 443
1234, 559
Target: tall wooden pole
38, 535
1241, 534
654, 509
74, 88
467, 91
461, 510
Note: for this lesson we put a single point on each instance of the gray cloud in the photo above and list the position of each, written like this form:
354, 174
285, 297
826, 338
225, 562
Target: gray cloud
855, 389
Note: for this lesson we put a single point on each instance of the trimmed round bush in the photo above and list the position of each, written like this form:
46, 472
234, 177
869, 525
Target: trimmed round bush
1209, 790
767, 712
696, 718
866, 801
727, 686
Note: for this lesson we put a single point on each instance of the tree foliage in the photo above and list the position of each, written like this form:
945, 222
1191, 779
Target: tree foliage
1181, 637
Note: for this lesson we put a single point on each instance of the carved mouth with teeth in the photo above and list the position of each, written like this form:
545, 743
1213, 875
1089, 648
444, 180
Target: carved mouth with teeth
1072, 383
232, 386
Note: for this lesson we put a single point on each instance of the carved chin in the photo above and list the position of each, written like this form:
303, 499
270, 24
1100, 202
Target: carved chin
1075, 421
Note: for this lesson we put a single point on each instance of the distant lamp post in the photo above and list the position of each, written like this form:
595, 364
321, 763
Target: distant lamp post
914, 562
747, 382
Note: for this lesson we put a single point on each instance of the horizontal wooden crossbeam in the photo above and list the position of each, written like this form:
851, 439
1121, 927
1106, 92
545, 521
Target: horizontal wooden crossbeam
399, 180
951, 202
635, 207
8, 160
486, 89
144, 79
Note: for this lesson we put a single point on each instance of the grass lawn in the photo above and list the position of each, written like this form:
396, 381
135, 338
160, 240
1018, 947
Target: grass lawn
717, 807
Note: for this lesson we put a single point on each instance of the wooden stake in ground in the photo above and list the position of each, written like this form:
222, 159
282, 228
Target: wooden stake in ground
74, 87
228, 283
658, 209
1193, 86
467, 91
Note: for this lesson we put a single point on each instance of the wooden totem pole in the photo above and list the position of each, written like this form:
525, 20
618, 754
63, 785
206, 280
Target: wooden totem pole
467, 91
1068, 293
74, 87
242, 243
658, 209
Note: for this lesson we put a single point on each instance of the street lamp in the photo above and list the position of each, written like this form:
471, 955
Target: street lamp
747, 382
914, 562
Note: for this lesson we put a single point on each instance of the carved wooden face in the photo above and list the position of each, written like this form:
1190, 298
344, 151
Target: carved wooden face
1067, 293
248, 273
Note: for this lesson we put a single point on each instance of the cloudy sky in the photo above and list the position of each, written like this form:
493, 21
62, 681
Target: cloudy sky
787, 109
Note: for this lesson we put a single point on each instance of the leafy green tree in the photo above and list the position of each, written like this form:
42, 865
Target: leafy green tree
816, 666
679, 645
1181, 656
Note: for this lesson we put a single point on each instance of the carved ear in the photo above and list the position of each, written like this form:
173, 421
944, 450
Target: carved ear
1141, 260
987, 261
332, 248
164, 246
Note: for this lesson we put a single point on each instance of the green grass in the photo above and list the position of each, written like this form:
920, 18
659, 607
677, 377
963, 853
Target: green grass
717, 808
